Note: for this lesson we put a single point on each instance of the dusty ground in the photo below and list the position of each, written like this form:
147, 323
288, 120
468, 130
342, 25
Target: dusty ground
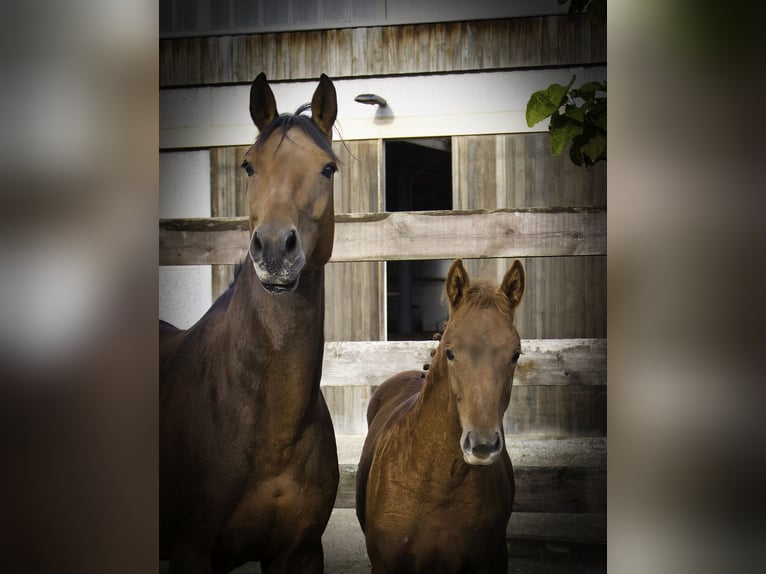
345, 553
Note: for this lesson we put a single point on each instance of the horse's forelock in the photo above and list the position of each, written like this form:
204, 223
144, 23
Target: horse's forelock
285, 122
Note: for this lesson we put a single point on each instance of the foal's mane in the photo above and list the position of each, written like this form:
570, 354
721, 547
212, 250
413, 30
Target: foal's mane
285, 122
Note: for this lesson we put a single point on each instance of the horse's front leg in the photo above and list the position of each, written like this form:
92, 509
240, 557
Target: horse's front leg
187, 559
309, 558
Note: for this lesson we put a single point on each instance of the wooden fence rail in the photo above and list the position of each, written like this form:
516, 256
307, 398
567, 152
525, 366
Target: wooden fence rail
559, 386
533, 232
543, 361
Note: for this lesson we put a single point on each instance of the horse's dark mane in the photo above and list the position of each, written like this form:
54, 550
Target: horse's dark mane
287, 121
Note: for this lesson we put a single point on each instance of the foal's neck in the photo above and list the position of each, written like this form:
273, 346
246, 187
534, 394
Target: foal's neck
438, 423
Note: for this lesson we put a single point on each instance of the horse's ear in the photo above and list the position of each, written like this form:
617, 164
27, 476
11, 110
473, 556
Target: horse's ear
457, 283
324, 106
263, 106
513, 283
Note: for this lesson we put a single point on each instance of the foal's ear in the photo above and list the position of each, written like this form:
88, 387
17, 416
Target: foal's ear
457, 283
513, 283
263, 106
324, 106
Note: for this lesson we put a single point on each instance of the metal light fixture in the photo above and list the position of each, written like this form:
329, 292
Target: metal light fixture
371, 99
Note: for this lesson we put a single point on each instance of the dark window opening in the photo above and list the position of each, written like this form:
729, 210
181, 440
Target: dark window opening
418, 178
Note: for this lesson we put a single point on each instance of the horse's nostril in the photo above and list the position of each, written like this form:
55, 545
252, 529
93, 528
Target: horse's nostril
292, 241
255, 245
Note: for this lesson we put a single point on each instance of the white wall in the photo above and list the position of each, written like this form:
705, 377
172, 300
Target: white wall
185, 291
418, 106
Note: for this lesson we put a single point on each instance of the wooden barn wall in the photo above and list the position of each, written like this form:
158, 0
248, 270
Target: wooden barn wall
353, 293
565, 297
383, 50
228, 198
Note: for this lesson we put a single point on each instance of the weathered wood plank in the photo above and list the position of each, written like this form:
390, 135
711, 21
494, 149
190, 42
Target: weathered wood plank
538, 232
524, 451
559, 489
554, 527
534, 410
403, 49
559, 385
543, 361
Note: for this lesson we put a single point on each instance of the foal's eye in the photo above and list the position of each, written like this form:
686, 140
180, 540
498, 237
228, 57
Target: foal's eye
248, 168
450, 355
329, 169
516, 356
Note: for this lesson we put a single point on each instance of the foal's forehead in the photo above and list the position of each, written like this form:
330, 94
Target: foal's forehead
484, 326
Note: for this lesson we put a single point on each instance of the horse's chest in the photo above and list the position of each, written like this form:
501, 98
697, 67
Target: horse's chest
442, 541
288, 500
434, 528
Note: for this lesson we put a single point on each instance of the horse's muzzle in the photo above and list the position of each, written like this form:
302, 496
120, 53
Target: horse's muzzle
278, 257
481, 448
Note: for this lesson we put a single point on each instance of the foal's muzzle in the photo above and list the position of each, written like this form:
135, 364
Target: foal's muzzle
278, 257
481, 448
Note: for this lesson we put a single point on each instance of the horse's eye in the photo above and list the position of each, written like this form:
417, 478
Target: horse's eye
450, 355
516, 356
248, 168
329, 170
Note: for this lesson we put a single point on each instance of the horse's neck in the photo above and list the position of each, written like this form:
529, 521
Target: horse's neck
279, 340
437, 438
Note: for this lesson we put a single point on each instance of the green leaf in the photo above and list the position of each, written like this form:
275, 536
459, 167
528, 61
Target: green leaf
545, 102
588, 91
575, 113
598, 119
591, 87
562, 130
595, 148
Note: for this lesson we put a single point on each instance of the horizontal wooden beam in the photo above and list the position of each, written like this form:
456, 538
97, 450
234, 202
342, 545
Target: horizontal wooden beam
541, 232
530, 532
559, 388
552, 475
543, 361
559, 489
370, 51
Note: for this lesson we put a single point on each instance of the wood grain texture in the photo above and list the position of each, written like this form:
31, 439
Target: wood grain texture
559, 387
228, 198
534, 411
353, 290
565, 296
407, 236
383, 50
558, 489
544, 362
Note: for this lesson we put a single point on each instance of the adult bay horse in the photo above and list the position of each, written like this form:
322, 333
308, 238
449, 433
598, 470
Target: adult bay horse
435, 482
248, 461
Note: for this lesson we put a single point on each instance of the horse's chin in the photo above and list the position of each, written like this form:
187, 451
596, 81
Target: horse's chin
474, 460
282, 288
